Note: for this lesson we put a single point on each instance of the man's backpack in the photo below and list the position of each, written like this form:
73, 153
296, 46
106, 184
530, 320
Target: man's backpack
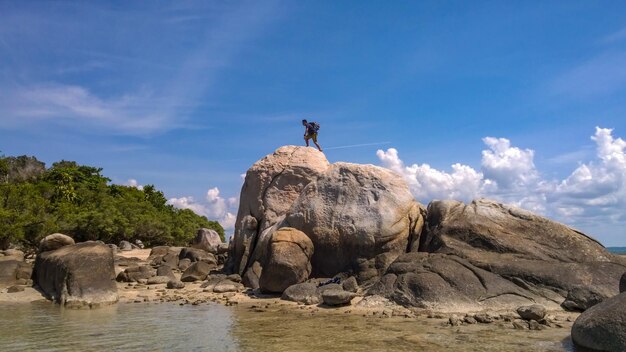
316, 126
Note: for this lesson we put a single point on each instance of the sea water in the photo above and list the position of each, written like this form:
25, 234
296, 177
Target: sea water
44, 326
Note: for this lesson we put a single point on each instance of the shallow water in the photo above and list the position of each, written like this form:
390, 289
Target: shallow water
122, 327
170, 327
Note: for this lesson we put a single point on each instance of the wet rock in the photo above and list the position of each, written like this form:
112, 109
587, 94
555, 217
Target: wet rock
55, 241
337, 297
77, 275
532, 312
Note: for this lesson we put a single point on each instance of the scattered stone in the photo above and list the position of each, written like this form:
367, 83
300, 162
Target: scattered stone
483, 318
197, 255
197, 271
183, 264
532, 312
454, 320
350, 284
175, 284
306, 293
16, 288
165, 270
469, 319
136, 273
520, 324
337, 297
534, 325
157, 280
125, 246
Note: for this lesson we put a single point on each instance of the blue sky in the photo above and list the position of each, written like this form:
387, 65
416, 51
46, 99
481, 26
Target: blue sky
187, 95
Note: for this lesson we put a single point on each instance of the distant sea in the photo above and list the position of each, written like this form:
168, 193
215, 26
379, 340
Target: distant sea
617, 250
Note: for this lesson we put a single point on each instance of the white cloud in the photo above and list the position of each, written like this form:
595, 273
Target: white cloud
214, 207
133, 183
594, 193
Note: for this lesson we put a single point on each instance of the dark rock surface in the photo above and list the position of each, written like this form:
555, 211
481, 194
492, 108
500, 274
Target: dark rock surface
532, 312
197, 255
77, 275
603, 326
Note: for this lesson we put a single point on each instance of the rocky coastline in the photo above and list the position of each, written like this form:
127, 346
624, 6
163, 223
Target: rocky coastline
350, 239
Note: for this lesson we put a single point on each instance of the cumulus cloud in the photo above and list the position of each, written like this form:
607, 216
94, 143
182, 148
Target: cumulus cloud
214, 207
593, 191
133, 183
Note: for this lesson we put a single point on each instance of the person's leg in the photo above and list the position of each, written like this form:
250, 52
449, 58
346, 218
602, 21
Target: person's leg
315, 141
306, 139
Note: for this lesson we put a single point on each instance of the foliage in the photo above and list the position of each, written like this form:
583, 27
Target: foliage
78, 200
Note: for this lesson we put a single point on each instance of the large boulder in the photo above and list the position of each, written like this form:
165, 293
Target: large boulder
79, 275
207, 239
270, 187
603, 326
448, 283
55, 241
353, 213
288, 261
526, 258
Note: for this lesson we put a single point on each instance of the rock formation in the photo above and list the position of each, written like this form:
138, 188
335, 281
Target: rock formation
55, 241
508, 256
270, 187
79, 275
362, 221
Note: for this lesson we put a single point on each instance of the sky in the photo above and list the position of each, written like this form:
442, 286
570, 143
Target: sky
522, 102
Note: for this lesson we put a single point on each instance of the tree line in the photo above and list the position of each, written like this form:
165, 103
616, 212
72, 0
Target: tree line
79, 201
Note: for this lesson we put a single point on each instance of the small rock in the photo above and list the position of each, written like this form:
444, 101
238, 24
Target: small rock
534, 325
483, 318
15, 288
337, 297
350, 284
156, 280
454, 320
533, 312
469, 319
175, 284
520, 324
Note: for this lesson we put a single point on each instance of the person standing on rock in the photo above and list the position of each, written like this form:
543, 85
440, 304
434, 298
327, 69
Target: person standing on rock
310, 132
